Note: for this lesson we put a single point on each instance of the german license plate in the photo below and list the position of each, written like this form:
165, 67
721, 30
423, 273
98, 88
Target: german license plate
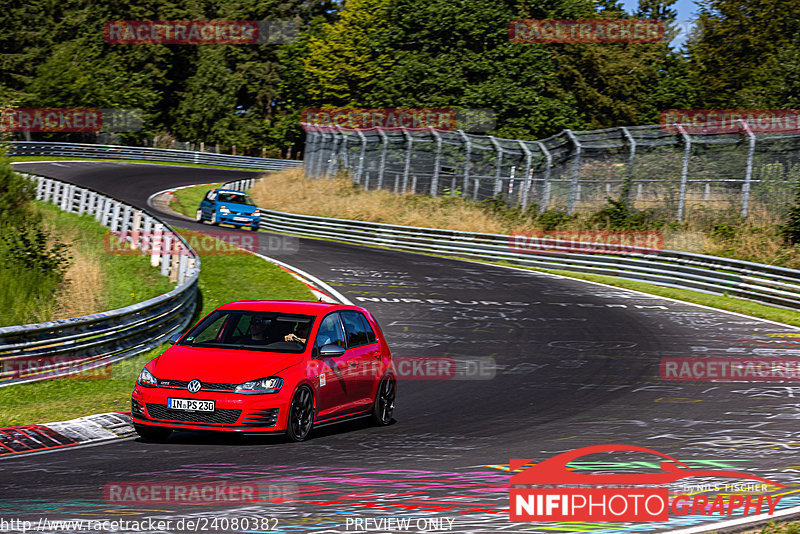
241, 219
190, 405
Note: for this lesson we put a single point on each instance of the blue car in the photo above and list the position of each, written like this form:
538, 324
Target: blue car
226, 206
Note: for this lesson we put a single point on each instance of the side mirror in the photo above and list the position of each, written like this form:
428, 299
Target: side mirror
174, 338
331, 350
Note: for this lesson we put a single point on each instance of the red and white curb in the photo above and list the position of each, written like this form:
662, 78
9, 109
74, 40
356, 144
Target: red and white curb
80, 431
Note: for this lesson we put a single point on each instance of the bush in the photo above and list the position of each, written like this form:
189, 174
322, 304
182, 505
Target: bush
617, 215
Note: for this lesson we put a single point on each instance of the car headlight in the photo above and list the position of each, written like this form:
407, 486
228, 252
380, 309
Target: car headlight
224, 209
256, 213
147, 379
262, 385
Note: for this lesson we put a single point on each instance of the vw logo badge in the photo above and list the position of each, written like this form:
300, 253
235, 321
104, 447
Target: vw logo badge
194, 386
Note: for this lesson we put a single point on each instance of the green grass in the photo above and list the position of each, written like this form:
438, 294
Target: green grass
223, 279
150, 161
129, 278
188, 199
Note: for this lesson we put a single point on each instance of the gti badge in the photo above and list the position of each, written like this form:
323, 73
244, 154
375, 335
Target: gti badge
194, 386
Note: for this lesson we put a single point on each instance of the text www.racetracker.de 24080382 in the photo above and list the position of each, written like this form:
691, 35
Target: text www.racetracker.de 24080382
195, 524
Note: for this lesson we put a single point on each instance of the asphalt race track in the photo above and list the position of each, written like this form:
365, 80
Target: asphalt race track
545, 365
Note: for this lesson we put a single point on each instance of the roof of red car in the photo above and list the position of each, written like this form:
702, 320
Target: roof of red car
283, 306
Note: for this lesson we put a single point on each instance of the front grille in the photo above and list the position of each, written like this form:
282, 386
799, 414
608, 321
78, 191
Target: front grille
206, 386
220, 416
261, 417
136, 408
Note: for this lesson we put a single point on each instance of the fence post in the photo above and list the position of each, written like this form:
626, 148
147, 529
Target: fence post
526, 181
499, 166
410, 144
334, 159
628, 187
748, 175
321, 150
467, 161
548, 161
436, 162
684, 171
382, 167
576, 167
361, 155
345, 152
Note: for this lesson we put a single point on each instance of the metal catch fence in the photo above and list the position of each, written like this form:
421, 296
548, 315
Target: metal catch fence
676, 173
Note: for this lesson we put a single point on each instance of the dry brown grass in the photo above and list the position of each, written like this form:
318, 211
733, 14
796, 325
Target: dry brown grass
704, 230
81, 292
290, 191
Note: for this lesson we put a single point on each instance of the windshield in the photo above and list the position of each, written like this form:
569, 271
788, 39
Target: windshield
235, 198
251, 330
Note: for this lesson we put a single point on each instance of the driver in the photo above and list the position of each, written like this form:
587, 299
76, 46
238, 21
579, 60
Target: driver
300, 334
258, 331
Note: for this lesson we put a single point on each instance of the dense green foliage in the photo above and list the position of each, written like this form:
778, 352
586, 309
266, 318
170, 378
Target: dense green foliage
392, 53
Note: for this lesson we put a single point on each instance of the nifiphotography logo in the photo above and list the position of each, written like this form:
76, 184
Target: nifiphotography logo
570, 495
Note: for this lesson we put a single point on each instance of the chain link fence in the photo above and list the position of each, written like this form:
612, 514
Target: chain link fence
677, 174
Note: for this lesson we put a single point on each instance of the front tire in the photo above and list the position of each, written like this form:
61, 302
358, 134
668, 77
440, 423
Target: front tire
198, 216
383, 407
301, 415
214, 218
152, 433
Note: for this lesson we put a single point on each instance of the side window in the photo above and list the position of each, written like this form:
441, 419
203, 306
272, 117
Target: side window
354, 326
330, 331
371, 337
211, 195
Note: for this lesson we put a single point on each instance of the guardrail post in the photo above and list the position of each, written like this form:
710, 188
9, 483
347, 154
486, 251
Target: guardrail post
526, 184
361, 155
48, 189
115, 220
410, 144
384, 148
166, 252
137, 221
175, 257
548, 162
576, 167
157, 245
498, 166
628, 187
436, 162
748, 174
39, 188
687, 151
64, 199
82, 202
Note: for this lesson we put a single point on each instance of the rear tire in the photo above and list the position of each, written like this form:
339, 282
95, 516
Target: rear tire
301, 415
152, 433
383, 407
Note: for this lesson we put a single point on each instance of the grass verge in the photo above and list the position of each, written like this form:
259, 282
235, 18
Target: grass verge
223, 278
187, 200
95, 281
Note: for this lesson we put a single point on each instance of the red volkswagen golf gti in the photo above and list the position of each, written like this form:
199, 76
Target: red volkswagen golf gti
268, 366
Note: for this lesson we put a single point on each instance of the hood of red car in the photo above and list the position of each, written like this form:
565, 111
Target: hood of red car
220, 365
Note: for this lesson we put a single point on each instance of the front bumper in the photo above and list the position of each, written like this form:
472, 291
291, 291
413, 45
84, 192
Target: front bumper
232, 412
238, 220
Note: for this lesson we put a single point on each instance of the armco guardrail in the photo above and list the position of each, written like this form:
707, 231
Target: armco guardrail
59, 348
766, 284
79, 150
